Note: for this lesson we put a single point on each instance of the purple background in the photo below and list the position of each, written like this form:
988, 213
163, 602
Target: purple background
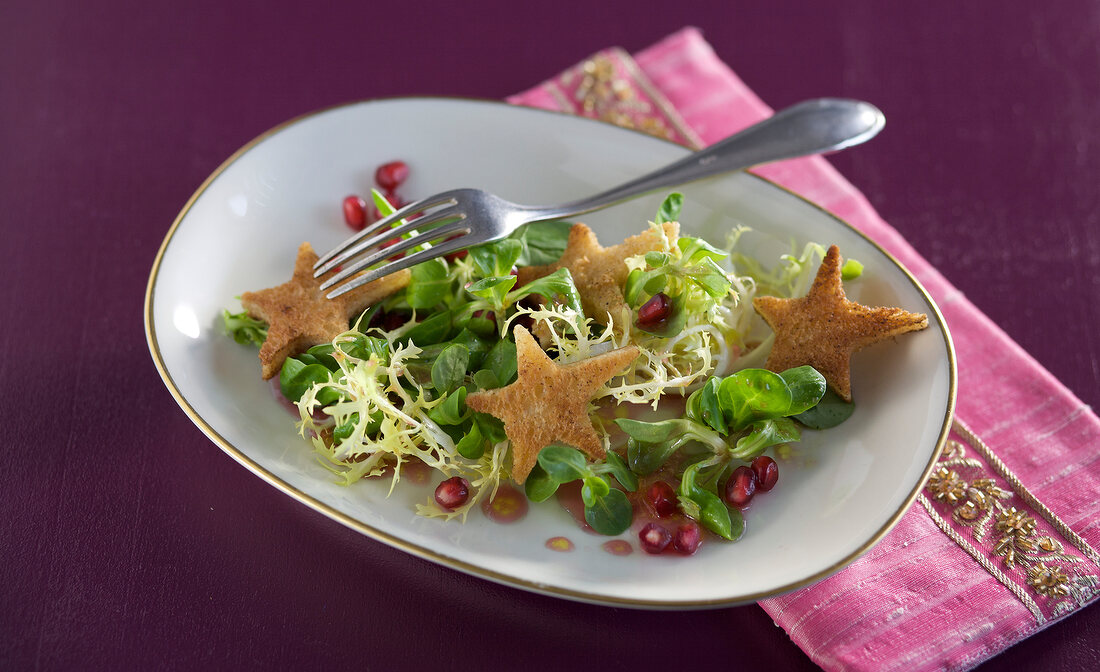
128, 540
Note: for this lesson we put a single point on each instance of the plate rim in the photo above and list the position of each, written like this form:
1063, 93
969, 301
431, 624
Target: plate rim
472, 568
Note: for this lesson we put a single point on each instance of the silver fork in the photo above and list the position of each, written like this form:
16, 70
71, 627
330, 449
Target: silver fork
468, 217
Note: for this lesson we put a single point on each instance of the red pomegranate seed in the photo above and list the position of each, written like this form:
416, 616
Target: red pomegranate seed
766, 471
394, 198
654, 538
687, 538
388, 320
390, 175
655, 310
394, 320
740, 487
355, 213
662, 498
452, 493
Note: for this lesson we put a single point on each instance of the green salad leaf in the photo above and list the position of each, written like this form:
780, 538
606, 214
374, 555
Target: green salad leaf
472, 444
496, 259
493, 289
244, 329
557, 284
606, 509
703, 406
807, 388
542, 243
433, 329
828, 413
851, 270
670, 208
730, 419
753, 394
300, 374
764, 434
429, 284
707, 507
453, 409
449, 369
502, 363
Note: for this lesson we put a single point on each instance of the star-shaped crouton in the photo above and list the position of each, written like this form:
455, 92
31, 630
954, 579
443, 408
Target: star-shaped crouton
824, 328
600, 272
549, 402
299, 316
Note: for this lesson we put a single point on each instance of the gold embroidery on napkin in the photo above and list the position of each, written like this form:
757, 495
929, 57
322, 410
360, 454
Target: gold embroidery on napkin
1048, 581
671, 114
981, 507
1029, 499
607, 87
982, 560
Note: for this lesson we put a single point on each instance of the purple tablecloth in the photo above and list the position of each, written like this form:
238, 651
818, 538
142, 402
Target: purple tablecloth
128, 540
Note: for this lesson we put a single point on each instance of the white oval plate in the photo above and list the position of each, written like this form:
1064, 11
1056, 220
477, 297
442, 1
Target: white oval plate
839, 494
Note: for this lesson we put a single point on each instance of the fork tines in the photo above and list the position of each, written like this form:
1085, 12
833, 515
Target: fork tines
380, 242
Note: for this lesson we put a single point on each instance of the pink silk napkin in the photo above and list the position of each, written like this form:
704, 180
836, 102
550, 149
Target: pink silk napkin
1002, 540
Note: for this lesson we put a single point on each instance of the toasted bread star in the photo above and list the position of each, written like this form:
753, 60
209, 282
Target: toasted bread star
299, 316
549, 402
824, 328
599, 272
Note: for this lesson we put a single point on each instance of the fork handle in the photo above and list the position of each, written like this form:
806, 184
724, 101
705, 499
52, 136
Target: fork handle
811, 127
